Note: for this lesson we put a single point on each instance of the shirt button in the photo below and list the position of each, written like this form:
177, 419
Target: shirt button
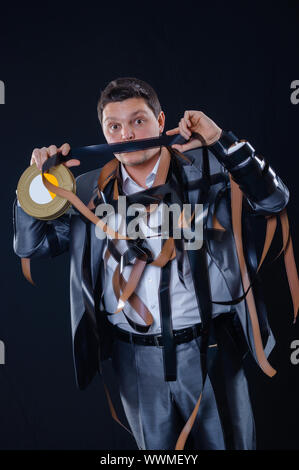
153, 306
149, 279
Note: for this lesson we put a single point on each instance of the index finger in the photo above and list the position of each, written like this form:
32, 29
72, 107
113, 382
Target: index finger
176, 130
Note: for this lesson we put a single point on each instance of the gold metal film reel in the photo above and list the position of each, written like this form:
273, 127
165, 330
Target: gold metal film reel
34, 197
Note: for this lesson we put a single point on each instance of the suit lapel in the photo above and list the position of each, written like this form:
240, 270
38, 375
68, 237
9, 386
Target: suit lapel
96, 245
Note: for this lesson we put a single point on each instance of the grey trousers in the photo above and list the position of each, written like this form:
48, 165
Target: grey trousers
157, 410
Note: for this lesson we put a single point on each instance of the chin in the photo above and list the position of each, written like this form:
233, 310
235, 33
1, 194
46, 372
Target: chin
133, 158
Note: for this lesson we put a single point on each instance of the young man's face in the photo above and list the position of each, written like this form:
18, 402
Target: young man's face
129, 120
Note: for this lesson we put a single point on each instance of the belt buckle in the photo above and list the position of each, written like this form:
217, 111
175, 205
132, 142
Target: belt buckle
156, 340
183, 337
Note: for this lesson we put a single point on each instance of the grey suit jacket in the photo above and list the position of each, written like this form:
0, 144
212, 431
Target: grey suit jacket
39, 239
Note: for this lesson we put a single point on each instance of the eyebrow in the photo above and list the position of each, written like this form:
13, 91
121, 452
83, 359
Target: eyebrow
131, 115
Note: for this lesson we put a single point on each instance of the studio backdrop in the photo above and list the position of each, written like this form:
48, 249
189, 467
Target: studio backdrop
236, 63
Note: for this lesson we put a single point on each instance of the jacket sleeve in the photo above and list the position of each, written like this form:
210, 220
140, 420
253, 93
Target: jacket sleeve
34, 238
265, 193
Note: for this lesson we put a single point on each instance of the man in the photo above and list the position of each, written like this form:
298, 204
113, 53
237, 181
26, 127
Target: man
184, 330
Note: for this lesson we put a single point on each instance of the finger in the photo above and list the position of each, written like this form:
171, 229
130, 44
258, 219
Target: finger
183, 131
35, 156
184, 126
191, 113
186, 116
194, 143
72, 162
52, 150
43, 157
178, 147
64, 149
173, 131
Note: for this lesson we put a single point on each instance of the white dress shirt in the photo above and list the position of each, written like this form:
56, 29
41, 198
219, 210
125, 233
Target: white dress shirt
184, 307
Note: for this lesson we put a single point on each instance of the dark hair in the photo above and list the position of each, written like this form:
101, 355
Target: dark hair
128, 87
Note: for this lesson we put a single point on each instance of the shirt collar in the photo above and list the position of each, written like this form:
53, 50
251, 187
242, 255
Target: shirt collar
149, 179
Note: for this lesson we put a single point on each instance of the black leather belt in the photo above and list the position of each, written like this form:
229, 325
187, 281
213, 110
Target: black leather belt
180, 336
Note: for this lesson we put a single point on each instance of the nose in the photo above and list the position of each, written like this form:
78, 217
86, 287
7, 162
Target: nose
127, 133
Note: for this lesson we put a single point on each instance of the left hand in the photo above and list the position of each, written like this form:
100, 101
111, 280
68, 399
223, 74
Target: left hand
195, 121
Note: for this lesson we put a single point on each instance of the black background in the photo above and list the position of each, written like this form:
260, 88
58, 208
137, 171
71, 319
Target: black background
235, 62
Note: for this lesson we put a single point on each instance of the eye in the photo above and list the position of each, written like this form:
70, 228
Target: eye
139, 120
113, 126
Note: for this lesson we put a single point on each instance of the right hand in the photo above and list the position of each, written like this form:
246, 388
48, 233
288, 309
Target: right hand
39, 156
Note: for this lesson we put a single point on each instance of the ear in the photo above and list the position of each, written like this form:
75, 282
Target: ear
161, 121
